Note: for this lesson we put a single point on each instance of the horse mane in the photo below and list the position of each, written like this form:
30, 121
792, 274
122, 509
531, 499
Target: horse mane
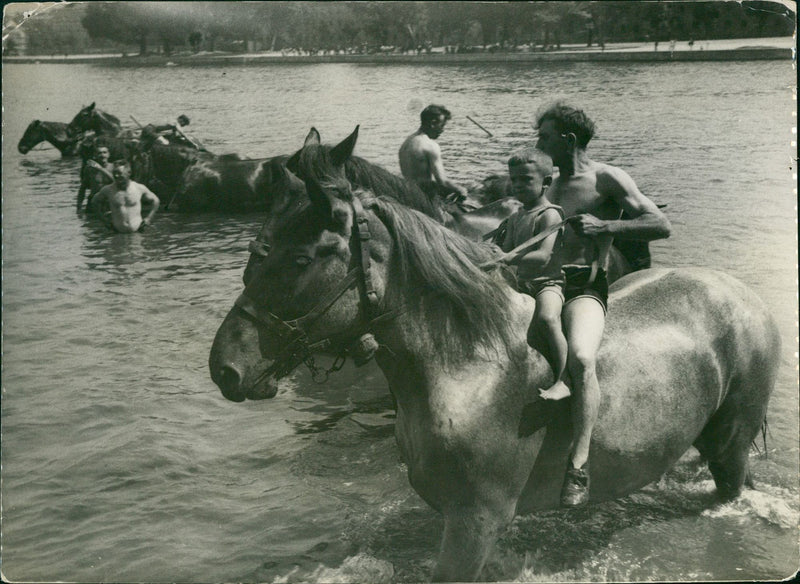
315, 160
439, 282
369, 176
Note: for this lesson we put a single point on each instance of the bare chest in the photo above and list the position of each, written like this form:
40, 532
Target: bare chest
577, 195
129, 197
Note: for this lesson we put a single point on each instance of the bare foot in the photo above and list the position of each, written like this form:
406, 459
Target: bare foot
559, 390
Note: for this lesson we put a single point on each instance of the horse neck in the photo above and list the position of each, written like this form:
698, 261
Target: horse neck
102, 125
452, 315
56, 133
377, 179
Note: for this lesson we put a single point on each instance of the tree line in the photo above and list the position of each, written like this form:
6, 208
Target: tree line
397, 26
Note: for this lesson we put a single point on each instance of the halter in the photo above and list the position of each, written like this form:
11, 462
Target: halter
294, 332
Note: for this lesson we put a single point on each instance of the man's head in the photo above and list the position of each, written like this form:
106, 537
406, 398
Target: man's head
530, 172
101, 154
433, 119
562, 130
183, 120
121, 172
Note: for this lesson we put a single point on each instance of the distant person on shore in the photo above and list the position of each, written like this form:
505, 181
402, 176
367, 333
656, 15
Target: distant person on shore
95, 174
593, 195
124, 199
421, 157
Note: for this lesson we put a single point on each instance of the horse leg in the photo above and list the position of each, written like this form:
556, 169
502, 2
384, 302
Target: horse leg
469, 535
725, 441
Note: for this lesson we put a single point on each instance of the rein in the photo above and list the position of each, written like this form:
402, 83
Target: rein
294, 332
526, 246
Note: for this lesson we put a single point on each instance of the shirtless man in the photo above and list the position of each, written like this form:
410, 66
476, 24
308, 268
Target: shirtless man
95, 174
593, 195
421, 157
124, 198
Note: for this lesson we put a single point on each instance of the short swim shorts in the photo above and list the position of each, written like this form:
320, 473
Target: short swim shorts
578, 285
538, 285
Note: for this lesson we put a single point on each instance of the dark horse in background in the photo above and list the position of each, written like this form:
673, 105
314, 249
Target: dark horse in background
56, 133
185, 178
689, 358
92, 118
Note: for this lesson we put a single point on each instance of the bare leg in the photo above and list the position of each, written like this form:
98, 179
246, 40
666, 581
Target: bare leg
584, 321
547, 327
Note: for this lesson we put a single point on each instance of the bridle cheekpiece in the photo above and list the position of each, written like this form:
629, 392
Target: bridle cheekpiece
294, 334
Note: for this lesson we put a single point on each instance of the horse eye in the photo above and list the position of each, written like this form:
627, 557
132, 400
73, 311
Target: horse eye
302, 260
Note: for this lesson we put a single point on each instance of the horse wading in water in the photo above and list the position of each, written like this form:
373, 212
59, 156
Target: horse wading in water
689, 357
56, 133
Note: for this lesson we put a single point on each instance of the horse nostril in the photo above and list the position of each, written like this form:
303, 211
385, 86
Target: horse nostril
229, 381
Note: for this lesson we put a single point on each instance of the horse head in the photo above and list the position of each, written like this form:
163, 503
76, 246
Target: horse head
92, 118
317, 161
33, 136
306, 291
55, 133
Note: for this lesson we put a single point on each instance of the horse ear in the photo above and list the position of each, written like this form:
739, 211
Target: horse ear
344, 150
91, 106
329, 205
312, 138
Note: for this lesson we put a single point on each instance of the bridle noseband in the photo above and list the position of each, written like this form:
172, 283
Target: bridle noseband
295, 333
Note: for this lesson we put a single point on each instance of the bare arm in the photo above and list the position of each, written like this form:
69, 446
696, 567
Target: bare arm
99, 199
82, 190
437, 169
94, 164
646, 222
149, 197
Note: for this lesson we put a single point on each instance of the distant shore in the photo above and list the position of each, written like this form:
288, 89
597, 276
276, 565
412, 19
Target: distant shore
781, 48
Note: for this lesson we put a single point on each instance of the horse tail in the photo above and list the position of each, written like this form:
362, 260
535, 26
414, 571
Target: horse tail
764, 431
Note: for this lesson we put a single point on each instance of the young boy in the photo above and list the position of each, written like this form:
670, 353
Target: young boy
539, 271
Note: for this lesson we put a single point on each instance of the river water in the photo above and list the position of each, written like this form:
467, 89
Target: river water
122, 461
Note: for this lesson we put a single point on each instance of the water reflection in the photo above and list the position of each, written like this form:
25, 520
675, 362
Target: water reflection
174, 244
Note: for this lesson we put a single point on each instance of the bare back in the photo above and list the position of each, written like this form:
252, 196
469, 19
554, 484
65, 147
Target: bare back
418, 155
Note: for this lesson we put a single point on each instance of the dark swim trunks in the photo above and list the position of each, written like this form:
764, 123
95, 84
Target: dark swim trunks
578, 285
535, 286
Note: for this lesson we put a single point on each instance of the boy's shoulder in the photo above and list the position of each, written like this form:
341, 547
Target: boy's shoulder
539, 210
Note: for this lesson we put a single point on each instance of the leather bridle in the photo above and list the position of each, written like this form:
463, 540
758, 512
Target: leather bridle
294, 334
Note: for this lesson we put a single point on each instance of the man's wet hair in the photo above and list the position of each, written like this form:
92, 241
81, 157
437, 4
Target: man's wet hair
183, 120
432, 113
532, 156
122, 162
567, 119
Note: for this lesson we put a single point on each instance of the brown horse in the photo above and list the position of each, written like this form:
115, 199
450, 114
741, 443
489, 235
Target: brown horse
689, 357
56, 133
91, 118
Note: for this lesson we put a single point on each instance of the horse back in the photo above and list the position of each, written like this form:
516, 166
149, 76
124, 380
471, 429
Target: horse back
676, 343
679, 348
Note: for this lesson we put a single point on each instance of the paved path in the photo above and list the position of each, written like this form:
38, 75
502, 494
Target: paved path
718, 49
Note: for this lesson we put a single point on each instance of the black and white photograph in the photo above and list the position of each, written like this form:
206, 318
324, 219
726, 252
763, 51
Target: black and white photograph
380, 292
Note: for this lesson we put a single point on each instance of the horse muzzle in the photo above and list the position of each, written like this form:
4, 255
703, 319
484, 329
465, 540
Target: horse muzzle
237, 369
23, 149
238, 387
